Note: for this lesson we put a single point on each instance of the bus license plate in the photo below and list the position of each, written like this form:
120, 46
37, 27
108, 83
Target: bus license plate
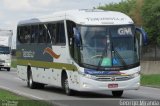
112, 85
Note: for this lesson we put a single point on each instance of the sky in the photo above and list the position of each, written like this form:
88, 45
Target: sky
12, 11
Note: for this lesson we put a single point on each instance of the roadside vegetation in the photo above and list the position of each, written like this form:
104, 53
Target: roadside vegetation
10, 99
151, 80
6, 95
14, 63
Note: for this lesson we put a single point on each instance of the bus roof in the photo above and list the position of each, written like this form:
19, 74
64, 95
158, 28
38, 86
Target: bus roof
85, 17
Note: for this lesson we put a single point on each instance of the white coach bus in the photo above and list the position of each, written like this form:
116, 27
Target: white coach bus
80, 50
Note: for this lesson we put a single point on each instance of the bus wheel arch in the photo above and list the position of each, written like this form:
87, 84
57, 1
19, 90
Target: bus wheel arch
65, 83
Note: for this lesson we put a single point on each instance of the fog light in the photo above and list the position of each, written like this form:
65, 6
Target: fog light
85, 85
8, 64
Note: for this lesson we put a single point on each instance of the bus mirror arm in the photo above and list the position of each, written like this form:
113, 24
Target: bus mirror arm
143, 35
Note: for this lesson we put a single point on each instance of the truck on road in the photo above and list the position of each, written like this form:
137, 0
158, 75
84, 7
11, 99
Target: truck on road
5, 49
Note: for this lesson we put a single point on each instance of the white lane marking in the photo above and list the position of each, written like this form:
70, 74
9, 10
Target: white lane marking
21, 93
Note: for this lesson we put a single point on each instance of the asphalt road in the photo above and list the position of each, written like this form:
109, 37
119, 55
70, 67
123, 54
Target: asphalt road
10, 81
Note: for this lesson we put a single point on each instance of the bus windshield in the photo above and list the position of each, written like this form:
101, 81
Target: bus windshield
4, 50
109, 46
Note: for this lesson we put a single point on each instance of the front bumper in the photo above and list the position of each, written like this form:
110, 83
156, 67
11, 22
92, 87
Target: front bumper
87, 84
5, 65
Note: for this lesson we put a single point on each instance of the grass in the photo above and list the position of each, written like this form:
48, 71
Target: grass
6, 95
10, 99
14, 63
151, 80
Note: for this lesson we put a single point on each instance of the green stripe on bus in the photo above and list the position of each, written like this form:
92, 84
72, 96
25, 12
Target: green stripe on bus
46, 64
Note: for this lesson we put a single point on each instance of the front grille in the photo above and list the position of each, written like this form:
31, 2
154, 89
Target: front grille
2, 61
123, 78
112, 78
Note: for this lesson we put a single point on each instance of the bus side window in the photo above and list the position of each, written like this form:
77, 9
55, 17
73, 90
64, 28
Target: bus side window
34, 33
42, 34
60, 34
19, 37
70, 26
24, 34
48, 34
27, 34
51, 33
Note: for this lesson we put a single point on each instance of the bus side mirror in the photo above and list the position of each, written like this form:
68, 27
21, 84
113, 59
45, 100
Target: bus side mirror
143, 35
77, 37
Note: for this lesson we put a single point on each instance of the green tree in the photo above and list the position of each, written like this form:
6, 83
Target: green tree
151, 19
125, 6
135, 13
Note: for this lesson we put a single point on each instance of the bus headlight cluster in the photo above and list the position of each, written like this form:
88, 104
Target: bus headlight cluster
135, 74
87, 75
8, 64
90, 76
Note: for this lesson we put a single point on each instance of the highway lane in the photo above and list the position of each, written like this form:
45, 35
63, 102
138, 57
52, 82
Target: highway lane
10, 81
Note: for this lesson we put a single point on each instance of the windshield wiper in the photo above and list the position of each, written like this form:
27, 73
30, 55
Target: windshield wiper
122, 60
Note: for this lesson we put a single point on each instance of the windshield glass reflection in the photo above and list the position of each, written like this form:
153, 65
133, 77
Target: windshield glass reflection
105, 46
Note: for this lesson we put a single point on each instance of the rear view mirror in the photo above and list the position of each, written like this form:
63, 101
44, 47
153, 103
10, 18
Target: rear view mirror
143, 35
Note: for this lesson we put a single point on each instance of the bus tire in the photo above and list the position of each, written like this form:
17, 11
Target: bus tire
65, 85
8, 69
31, 83
117, 93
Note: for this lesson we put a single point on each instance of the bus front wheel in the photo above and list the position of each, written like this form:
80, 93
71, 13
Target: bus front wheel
66, 88
117, 93
8, 69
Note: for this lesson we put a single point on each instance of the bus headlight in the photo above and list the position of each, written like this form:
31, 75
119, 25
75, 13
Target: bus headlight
81, 73
8, 64
135, 74
87, 75
90, 76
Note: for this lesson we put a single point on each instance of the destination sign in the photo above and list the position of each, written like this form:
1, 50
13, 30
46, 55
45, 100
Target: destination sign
105, 19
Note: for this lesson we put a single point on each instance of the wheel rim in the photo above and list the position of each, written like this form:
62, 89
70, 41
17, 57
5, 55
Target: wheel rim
66, 86
30, 80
